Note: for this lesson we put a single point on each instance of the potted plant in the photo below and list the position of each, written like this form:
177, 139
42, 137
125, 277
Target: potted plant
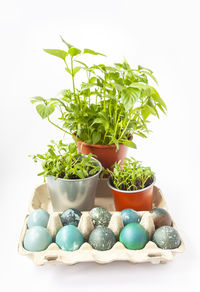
132, 185
71, 176
111, 105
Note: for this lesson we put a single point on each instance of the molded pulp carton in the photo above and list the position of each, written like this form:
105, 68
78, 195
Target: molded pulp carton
150, 253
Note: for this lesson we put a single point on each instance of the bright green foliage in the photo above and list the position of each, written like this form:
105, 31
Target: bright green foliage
132, 176
64, 161
114, 104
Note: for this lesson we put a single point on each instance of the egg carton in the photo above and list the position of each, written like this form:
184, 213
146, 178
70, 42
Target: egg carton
150, 253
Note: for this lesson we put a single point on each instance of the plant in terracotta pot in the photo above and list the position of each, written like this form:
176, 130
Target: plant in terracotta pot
111, 105
72, 177
132, 185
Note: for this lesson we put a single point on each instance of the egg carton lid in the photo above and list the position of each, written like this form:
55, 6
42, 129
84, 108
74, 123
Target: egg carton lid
150, 253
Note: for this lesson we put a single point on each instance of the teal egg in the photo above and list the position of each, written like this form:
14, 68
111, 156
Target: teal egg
102, 238
130, 216
69, 238
134, 236
37, 238
38, 217
166, 237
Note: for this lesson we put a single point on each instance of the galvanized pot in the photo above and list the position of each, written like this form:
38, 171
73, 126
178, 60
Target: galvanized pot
73, 193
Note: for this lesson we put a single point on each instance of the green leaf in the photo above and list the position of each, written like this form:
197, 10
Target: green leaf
91, 52
45, 110
161, 108
156, 97
129, 143
150, 109
67, 44
74, 51
37, 98
140, 134
81, 63
58, 53
72, 147
96, 137
140, 68
102, 121
68, 70
139, 85
129, 97
75, 70
152, 76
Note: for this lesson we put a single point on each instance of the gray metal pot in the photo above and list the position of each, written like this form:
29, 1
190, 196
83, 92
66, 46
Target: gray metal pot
73, 193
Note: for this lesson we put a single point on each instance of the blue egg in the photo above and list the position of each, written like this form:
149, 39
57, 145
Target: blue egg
134, 236
69, 238
38, 217
37, 238
130, 216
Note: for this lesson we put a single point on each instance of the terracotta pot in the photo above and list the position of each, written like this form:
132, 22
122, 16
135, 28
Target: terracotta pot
106, 154
140, 200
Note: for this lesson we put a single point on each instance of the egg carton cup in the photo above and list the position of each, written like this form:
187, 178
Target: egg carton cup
150, 253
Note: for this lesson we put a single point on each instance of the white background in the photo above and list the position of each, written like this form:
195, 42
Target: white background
161, 35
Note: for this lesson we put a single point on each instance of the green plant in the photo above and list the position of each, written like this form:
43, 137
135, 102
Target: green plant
131, 176
64, 161
112, 104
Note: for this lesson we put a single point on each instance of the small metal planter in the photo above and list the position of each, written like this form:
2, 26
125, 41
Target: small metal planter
73, 193
139, 200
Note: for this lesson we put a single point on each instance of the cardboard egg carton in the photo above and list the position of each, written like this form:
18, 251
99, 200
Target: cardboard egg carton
150, 253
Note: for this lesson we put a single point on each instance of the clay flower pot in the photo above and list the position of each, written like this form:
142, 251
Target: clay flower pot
139, 200
106, 154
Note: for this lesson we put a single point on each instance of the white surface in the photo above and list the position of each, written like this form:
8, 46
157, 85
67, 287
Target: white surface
161, 35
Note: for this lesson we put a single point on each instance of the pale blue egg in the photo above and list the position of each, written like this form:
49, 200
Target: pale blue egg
38, 217
37, 238
69, 238
130, 216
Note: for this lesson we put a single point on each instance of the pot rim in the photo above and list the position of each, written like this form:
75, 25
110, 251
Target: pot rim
100, 145
131, 192
79, 179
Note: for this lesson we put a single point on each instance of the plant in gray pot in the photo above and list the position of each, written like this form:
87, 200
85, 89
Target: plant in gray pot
72, 177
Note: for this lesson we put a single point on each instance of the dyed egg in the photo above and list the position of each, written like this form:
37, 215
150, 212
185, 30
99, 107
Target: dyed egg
161, 217
69, 238
38, 217
166, 237
100, 216
37, 238
133, 236
71, 217
130, 216
102, 238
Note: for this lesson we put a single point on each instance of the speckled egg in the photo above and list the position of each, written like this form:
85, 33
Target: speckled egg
102, 238
166, 237
130, 216
71, 217
134, 236
38, 217
161, 217
100, 216
69, 238
37, 238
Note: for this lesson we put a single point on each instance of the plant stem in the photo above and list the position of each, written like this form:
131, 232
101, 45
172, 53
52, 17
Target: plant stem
59, 127
72, 70
125, 129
